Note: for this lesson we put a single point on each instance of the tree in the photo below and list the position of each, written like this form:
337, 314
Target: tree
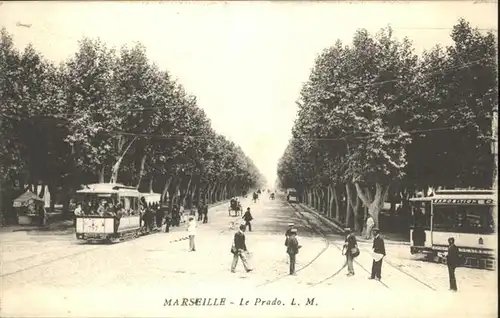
91, 98
100, 117
370, 112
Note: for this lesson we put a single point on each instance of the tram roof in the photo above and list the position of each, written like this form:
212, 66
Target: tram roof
107, 188
150, 194
456, 196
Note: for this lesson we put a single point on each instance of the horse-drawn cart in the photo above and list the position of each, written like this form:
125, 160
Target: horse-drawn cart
234, 208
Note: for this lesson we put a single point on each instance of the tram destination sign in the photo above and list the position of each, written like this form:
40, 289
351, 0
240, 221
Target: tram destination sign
463, 201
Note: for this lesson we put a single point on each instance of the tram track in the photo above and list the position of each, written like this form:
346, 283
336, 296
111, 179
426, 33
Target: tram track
48, 261
322, 221
101, 245
330, 243
321, 252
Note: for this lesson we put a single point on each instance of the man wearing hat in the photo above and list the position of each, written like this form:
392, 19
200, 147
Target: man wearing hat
292, 249
378, 254
247, 217
288, 231
350, 250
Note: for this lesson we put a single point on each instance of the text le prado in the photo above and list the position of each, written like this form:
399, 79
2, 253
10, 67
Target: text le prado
264, 302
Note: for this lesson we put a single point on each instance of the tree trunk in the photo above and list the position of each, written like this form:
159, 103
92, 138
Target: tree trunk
192, 194
332, 199
52, 192
336, 198
374, 206
165, 189
116, 167
354, 203
141, 171
114, 171
323, 201
213, 193
185, 192
173, 193
313, 198
150, 188
100, 174
348, 205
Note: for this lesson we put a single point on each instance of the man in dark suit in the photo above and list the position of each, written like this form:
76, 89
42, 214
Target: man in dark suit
239, 250
378, 248
248, 218
205, 213
201, 206
287, 233
292, 248
453, 261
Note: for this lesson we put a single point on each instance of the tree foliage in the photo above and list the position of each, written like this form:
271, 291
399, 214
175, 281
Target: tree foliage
105, 115
376, 117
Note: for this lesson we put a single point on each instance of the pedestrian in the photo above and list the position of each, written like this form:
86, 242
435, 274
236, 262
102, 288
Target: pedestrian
193, 211
117, 213
175, 216
182, 214
369, 227
205, 213
239, 250
292, 249
191, 228
160, 214
350, 250
201, 206
378, 255
77, 212
453, 261
288, 231
247, 217
168, 220
147, 217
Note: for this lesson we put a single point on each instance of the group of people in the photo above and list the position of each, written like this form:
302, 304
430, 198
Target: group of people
351, 251
154, 215
102, 208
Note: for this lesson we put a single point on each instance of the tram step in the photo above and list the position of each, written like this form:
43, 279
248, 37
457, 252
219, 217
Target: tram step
477, 263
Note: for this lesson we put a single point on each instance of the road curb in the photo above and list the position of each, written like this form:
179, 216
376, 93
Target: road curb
20, 228
316, 213
337, 227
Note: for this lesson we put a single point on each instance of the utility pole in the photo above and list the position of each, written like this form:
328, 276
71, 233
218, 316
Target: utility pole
494, 147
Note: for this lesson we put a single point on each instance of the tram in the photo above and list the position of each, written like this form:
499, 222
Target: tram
110, 211
466, 215
292, 196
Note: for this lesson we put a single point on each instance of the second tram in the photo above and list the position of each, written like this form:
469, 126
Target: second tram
465, 215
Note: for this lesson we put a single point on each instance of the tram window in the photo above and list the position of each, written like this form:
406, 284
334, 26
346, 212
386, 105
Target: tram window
421, 216
463, 218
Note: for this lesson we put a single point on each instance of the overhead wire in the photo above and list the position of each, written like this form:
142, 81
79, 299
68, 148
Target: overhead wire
441, 71
463, 66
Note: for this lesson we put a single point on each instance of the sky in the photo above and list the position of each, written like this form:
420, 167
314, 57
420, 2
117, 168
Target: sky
245, 62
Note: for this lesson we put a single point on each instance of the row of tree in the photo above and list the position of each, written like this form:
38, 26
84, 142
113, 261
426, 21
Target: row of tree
378, 123
106, 116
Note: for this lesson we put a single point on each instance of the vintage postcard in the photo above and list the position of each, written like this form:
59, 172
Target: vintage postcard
248, 159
